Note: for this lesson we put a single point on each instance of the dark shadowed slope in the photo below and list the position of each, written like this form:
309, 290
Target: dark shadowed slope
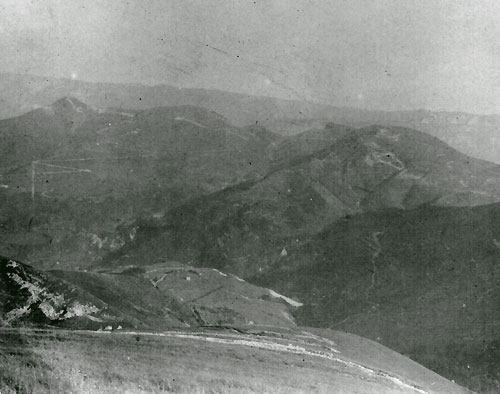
73, 178
424, 282
383, 233
247, 228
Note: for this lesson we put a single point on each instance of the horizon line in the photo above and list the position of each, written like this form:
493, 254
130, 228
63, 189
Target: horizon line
294, 100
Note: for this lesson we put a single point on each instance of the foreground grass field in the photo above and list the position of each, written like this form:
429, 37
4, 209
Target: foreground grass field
202, 362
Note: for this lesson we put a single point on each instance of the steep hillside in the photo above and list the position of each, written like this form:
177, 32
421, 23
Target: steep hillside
153, 297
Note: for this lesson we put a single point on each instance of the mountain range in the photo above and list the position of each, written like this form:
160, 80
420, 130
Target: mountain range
472, 134
381, 230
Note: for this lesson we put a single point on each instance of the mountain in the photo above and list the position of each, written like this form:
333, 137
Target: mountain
387, 233
246, 228
86, 174
49, 131
473, 134
22, 93
69, 131
384, 231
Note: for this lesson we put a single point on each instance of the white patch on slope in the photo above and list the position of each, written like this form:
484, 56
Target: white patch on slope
372, 144
288, 300
386, 133
75, 107
190, 121
238, 278
236, 134
287, 316
389, 159
12, 264
97, 241
376, 155
238, 295
220, 273
369, 161
405, 174
128, 114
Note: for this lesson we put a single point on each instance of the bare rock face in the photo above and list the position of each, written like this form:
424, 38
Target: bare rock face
28, 296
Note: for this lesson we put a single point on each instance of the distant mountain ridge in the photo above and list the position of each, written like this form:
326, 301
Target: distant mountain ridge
472, 134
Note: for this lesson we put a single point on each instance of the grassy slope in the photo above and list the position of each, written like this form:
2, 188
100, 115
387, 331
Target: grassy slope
190, 362
150, 297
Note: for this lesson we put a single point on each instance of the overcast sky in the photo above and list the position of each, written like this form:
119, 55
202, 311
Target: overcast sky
384, 54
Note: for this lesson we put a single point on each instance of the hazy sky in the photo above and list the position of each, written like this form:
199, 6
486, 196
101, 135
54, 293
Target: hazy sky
386, 54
